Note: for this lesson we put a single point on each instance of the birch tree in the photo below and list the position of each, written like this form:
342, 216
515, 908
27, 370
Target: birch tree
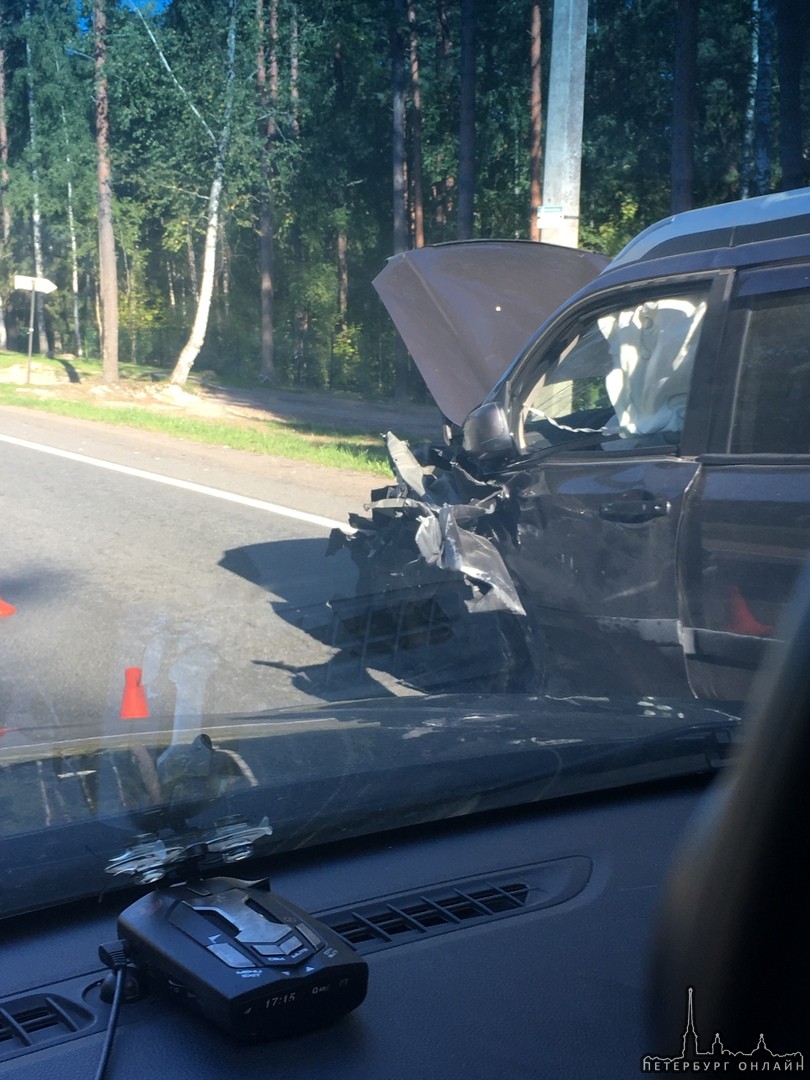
220, 143
196, 339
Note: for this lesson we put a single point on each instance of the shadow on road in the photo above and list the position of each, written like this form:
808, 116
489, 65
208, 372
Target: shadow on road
413, 638
303, 583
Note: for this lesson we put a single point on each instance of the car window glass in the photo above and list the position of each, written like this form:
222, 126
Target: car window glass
770, 411
625, 373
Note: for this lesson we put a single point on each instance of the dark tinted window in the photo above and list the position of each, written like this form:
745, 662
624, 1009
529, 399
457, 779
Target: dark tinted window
772, 408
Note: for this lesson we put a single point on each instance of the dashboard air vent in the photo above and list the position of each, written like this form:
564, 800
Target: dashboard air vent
38, 1020
394, 920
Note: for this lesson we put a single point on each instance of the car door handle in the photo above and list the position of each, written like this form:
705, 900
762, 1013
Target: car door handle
634, 511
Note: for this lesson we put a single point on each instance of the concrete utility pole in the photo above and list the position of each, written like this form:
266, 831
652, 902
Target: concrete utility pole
558, 217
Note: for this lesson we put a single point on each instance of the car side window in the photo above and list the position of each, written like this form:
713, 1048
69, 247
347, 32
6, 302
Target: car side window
623, 372
773, 388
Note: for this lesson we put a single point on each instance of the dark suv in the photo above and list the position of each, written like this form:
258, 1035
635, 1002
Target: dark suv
630, 505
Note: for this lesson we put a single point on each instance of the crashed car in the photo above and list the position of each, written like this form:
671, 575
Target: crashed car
628, 508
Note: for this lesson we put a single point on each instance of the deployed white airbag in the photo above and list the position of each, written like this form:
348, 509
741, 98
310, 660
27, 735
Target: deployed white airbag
653, 348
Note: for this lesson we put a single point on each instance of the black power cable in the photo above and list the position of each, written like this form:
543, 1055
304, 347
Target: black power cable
122, 973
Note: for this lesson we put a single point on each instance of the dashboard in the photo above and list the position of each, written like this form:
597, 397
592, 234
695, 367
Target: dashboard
536, 964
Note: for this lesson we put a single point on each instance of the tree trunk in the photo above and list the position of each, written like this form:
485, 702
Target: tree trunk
191, 258
266, 260
39, 270
442, 189
536, 118
196, 339
107, 273
398, 134
74, 245
444, 45
301, 314
341, 219
268, 93
36, 216
268, 99
74, 268
398, 177
170, 284
224, 278
466, 141
4, 210
747, 169
763, 112
683, 106
790, 41
295, 123
343, 276
417, 199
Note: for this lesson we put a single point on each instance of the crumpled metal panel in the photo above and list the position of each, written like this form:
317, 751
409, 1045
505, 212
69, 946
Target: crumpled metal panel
438, 514
431, 577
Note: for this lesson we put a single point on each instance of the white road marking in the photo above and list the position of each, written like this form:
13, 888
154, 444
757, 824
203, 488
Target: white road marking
186, 485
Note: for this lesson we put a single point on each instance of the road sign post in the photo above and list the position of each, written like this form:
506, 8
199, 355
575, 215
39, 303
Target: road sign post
34, 285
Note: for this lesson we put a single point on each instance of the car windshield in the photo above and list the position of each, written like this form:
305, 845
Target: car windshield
263, 587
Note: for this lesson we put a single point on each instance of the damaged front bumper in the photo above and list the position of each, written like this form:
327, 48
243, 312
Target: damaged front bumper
430, 577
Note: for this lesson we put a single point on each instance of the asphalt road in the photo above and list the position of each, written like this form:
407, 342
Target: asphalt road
203, 582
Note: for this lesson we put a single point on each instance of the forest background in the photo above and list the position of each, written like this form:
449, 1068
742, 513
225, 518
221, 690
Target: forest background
252, 163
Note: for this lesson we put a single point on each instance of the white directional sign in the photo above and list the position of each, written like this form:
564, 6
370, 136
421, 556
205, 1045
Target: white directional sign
33, 284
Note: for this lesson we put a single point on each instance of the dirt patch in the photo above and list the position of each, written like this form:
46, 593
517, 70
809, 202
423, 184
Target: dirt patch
334, 411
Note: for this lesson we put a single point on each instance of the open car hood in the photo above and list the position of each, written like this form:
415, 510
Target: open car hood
465, 309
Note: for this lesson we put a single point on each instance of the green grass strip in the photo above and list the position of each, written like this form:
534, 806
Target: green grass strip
319, 446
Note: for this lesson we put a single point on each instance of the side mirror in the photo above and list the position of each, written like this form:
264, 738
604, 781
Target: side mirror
486, 433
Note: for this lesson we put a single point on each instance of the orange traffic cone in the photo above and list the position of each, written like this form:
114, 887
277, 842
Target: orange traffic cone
6, 609
133, 703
